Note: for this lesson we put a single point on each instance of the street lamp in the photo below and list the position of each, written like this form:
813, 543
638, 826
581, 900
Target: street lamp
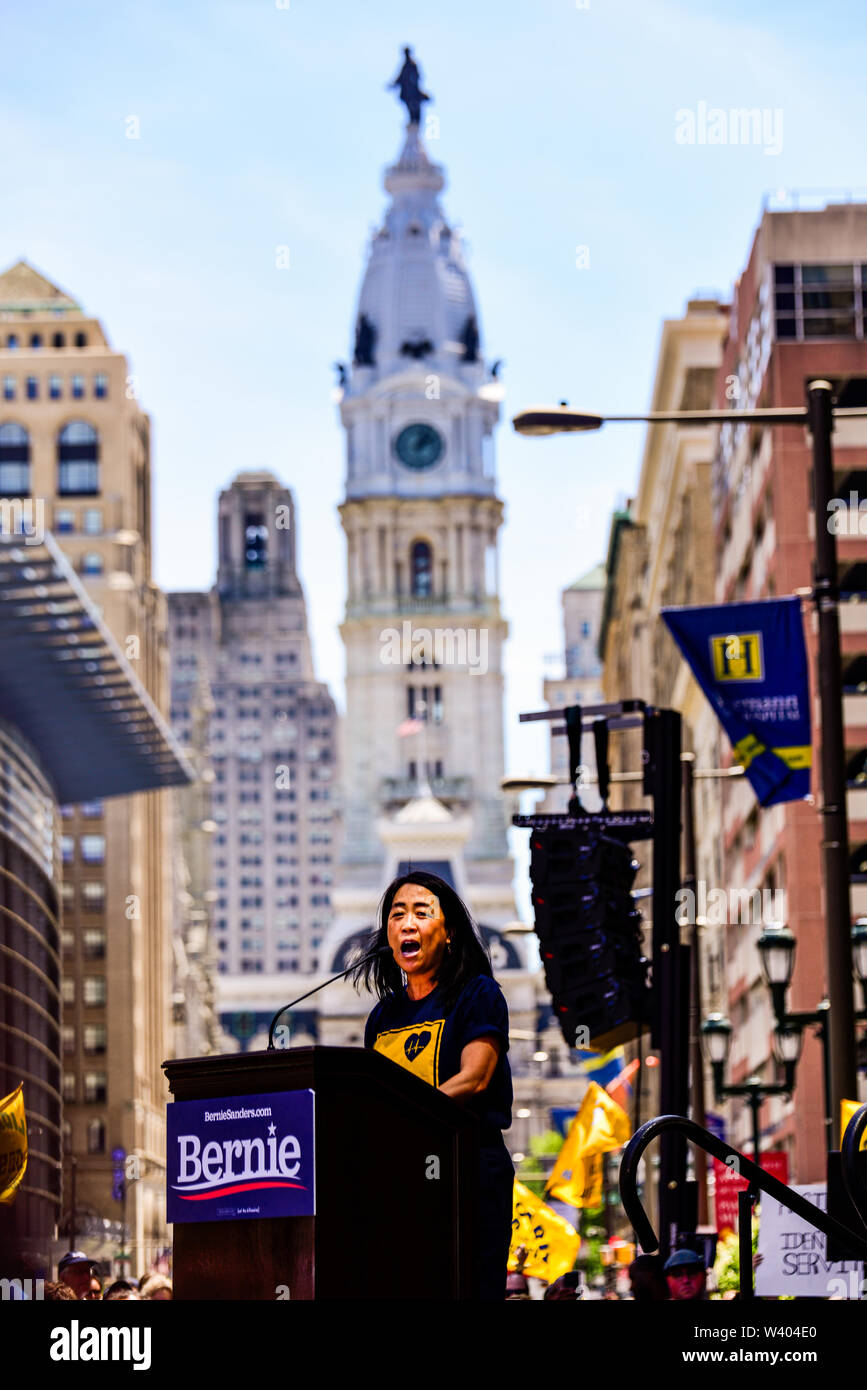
716, 1037
818, 416
777, 947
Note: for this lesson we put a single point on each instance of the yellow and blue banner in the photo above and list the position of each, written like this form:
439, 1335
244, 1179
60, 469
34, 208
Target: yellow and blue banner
599, 1126
750, 659
13, 1144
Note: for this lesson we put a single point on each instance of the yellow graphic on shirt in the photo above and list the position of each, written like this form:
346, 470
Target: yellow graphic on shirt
416, 1047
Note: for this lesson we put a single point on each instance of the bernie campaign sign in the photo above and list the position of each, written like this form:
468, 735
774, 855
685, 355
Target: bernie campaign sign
241, 1157
750, 660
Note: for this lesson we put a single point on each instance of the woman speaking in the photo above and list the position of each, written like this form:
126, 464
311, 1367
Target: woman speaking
442, 1015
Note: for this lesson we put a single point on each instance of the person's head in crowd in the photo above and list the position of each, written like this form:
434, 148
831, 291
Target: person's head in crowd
685, 1275
75, 1270
517, 1287
57, 1292
647, 1280
156, 1288
121, 1289
568, 1286
95, 1290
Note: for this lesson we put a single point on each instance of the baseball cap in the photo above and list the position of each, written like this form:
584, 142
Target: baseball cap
74, 1257
682, 1259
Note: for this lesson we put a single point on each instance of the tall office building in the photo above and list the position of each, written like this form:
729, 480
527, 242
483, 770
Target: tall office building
799, 312
423, 629
273, 751
75, 441
74, 722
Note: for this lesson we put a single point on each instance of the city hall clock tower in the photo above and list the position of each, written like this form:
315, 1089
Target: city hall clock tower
423, 735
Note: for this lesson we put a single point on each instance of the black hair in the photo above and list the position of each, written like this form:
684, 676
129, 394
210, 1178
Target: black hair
466, 958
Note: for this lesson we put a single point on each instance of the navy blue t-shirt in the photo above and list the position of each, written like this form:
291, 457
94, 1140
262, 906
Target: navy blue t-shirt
420, 1036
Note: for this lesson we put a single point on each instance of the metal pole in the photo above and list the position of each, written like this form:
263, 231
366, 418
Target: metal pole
755, 1104
826, 1078
696, 1063
662, 731
835, 843
745, 1243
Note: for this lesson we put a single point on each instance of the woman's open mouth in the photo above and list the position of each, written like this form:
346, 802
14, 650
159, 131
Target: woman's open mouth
410, 948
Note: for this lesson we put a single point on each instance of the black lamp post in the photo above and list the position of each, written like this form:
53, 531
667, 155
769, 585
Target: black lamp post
716, 1037
777, 947
818, 417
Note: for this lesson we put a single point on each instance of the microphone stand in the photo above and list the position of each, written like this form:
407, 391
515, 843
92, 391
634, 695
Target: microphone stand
380, 950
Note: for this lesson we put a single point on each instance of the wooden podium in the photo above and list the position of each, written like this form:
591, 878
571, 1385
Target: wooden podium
396, 1165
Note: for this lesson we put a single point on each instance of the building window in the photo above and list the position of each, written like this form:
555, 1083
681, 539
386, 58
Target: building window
36, 341
95, 1087
94, 943
32, 388
100, 386
93, 991
91, 563
93, 521
94, 1037
67, 943
818, 301
64, 521
255, 541
67, 1039
91, 809
14, 461
78, 459
12, 342
67, 848
96, 1137
69, 1088
81, 340
67, 989
93, 896
55, 387
8, 388
93, 849
78, 388
59, 340
421, 570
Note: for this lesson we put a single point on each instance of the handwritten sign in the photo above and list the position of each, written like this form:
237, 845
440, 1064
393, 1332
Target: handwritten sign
793, 1254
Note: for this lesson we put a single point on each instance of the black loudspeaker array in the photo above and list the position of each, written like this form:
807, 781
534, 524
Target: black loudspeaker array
590, 934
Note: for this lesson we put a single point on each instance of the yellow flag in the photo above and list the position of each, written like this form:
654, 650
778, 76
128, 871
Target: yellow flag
13, 1144
847, 1110
600, 1125
551, 1243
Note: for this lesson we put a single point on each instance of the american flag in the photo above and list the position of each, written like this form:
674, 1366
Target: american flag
409, 726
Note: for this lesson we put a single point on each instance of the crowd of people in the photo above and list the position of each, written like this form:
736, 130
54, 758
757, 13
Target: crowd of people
682, 1279
77, 1279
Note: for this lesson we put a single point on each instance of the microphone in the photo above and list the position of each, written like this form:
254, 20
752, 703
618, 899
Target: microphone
371, 955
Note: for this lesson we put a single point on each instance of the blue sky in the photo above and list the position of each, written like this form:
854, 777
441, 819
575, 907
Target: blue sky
266, 124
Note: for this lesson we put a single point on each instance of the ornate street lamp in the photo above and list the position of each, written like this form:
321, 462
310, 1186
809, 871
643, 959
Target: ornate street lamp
777, 947
716, 1036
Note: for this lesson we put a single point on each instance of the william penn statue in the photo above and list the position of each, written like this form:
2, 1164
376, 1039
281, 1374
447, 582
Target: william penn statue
407, 82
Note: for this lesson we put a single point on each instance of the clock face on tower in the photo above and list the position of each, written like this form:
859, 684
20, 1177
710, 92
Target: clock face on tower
419, 446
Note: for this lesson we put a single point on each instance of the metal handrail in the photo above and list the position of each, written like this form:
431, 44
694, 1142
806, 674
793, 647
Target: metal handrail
853, 1166
756, 1176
